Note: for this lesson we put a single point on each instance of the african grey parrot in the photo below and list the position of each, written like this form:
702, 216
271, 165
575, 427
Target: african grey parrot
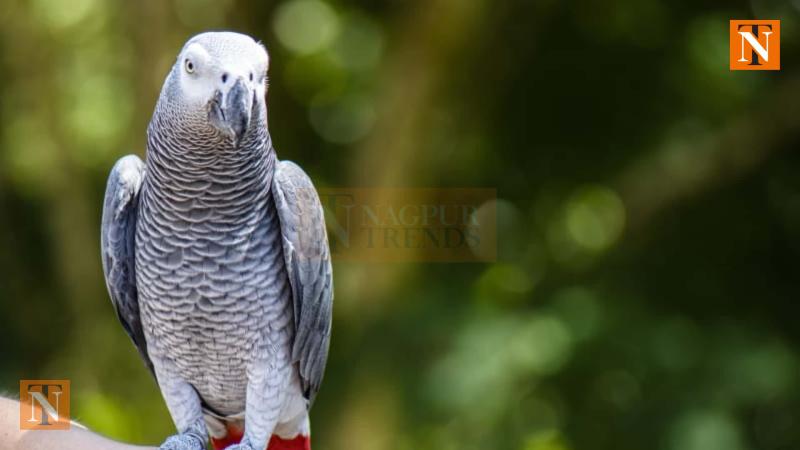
216, 257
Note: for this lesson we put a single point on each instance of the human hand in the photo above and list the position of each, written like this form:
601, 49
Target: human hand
76, 438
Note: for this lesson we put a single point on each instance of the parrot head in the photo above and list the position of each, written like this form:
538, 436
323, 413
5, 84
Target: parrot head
218, 85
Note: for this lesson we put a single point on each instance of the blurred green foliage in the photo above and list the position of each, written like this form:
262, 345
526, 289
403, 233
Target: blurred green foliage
646, 290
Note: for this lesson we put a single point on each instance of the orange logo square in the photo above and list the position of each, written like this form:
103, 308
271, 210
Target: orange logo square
44, 405
755, 44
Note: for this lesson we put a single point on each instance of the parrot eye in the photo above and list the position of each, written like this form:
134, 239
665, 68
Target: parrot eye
251, 76
189, 65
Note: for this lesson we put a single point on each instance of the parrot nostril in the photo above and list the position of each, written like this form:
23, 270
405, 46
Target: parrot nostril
251, 76
224, 77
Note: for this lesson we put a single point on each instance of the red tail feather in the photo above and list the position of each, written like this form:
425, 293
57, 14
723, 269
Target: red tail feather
276, 443
299, 443
233, 437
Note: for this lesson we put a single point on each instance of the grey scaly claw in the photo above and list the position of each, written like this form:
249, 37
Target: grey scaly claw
240, 447
183, 441
243, 445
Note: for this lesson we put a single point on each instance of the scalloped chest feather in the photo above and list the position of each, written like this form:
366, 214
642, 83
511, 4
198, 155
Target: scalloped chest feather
214, 294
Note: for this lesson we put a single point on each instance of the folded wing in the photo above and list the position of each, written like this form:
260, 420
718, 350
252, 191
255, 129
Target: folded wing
117, 238
308, 264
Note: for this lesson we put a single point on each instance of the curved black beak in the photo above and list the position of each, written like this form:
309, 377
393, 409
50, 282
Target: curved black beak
230, 112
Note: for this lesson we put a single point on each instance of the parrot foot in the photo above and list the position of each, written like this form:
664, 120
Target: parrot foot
240, 446
183, 441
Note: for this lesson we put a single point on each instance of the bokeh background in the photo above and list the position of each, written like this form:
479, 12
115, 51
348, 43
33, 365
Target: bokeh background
645, 293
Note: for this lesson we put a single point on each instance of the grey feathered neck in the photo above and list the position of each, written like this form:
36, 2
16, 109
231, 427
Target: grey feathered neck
182, 146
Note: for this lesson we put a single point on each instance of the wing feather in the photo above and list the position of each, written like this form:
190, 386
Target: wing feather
117, 239
308, 264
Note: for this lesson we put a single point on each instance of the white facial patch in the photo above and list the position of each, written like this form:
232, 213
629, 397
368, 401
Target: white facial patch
199, 85
214, 62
